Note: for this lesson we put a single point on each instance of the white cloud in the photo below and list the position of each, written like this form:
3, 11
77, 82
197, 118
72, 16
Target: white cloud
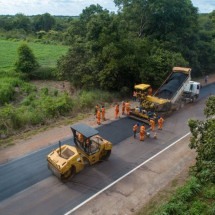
73, 7
205, 6
54, 7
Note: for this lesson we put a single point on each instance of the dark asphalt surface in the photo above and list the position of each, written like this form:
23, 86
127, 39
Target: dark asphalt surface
20, 174
25, 172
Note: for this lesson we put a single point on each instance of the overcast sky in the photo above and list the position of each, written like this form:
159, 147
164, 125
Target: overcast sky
73, 7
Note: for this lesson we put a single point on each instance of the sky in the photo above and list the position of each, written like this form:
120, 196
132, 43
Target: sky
73, 7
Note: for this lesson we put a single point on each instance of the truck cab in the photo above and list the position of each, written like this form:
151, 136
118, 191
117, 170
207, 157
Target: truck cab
191, 91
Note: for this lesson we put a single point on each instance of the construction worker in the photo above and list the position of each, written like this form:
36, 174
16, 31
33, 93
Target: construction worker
160, 123
127, 108
103, 113
96, 109
135, 127
87, 145
116, 111
123, 108
134, 95
80, 137
150, 91
152, 124
98, 116
142, 132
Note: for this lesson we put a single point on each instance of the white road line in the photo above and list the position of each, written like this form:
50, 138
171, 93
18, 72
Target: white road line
122, 177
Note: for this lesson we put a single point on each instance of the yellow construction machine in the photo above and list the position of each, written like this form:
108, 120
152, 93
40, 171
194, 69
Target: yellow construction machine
89, 148
175, 91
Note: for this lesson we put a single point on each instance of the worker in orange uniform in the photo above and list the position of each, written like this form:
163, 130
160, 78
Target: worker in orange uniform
150, 91
135, 127
98, 116
96, 109
103, 113
116, 111
123, 108
152, 124
160, 123
127, 108
142, 132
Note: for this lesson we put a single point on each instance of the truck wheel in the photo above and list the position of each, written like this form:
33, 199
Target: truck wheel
195, 98
182, 105
106, 155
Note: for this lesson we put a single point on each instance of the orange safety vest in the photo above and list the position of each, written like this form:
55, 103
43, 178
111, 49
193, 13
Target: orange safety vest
160, 122
142, 129
152, 123
117, 108
103, 111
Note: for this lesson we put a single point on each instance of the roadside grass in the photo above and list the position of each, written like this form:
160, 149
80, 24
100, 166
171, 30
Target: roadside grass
27, 133
46, 54
163, 196
44, 108
186, 197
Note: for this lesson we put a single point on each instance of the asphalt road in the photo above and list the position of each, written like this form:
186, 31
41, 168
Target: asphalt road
28, 187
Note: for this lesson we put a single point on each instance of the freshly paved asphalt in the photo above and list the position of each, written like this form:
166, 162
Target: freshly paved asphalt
27, 172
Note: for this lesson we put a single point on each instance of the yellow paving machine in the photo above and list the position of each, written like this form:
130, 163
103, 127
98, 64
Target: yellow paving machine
176, 90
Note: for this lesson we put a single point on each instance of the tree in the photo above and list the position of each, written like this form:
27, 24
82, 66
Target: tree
22, 22
26, 62
173, 23
159, 64
203, 141
44, 22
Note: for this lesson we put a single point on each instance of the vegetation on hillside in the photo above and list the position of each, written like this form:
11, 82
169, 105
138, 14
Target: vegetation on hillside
141, 43
106, 51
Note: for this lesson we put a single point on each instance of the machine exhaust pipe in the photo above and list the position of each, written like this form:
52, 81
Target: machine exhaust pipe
60, 146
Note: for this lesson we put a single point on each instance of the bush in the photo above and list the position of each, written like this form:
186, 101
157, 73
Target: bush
6, 93
186, 192
88, 99
26, 62
54, 106
34, 110
197, 207
211, 210
179, 204
44, 73
209, 191
28, 88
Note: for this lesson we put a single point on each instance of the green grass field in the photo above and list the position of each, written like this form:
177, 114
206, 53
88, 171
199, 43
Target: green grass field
46, 55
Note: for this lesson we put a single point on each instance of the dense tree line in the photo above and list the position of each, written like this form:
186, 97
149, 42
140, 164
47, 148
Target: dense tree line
140, 43
44, 22
46, 28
